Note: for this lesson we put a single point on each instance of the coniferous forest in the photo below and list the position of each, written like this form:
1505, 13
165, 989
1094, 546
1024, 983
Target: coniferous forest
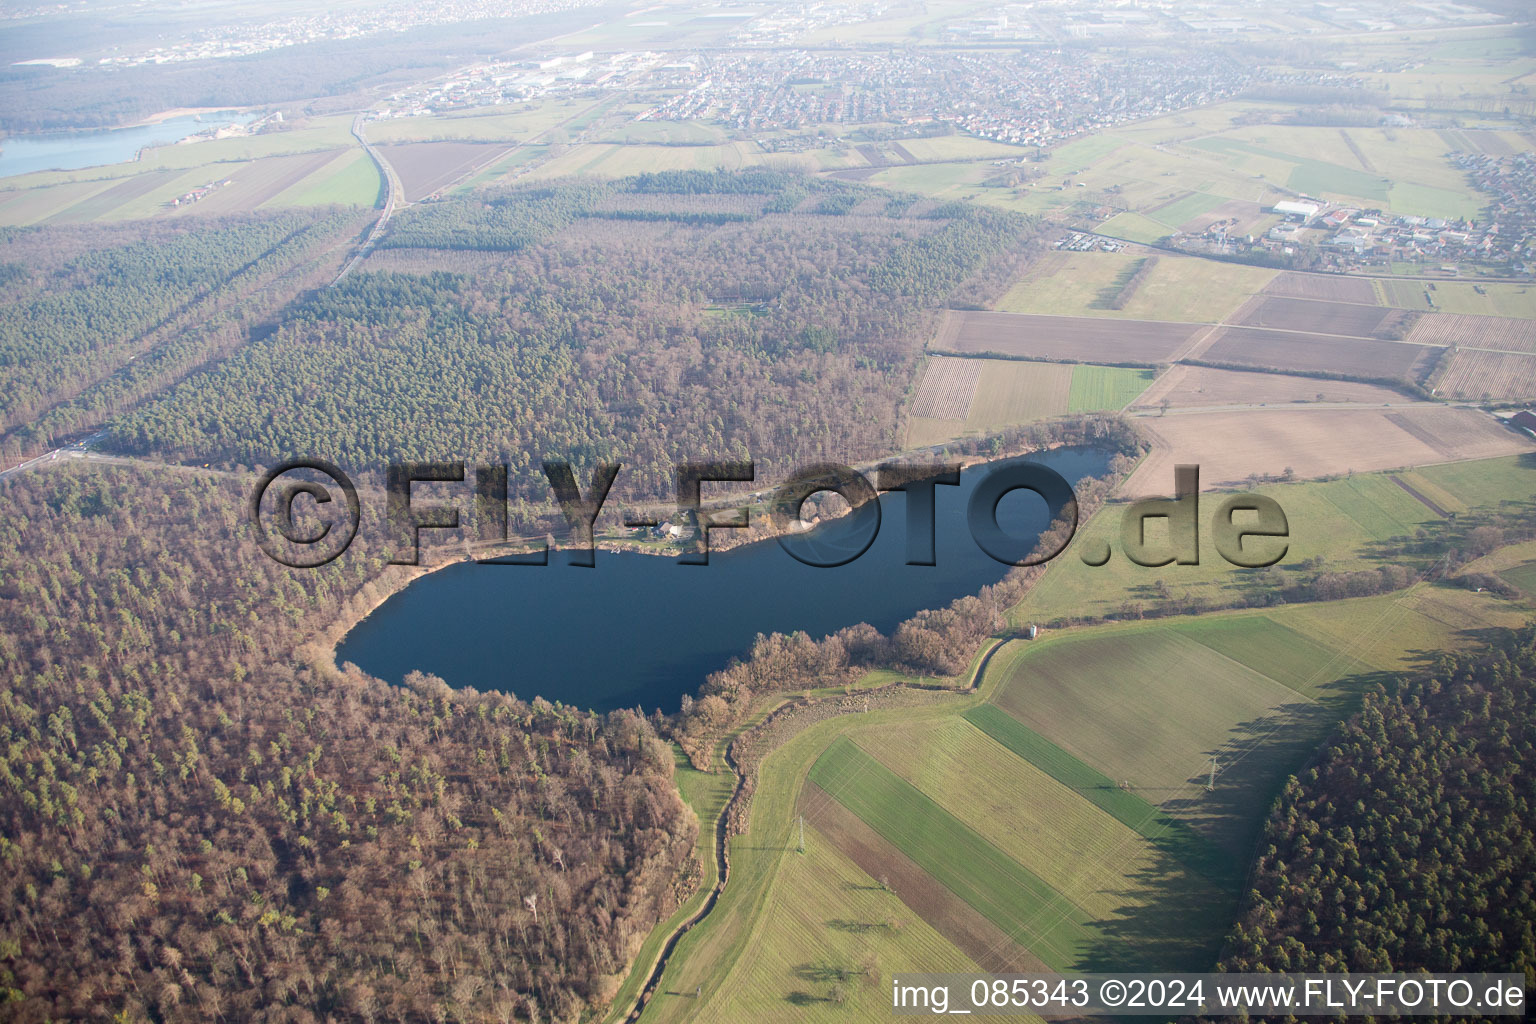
666, 318
1408, 845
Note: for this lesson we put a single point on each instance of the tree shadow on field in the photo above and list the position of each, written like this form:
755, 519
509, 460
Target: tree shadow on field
1190, 893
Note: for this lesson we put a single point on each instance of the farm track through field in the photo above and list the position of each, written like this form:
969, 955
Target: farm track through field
1405, 485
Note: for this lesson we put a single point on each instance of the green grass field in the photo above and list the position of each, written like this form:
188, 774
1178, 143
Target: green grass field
1012, 897
1181, 289
1522, 576
1486, 482
352, 179
1169, 834
1134, 227
1277, 651
1074, 847
1491, 299
1336, 520
1105, 699
1185, 209
1096, 388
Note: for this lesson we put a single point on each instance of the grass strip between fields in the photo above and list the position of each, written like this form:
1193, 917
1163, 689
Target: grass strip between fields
1167, 833
1004, 891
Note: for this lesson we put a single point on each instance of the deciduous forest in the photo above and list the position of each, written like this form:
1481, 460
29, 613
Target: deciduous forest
200, 818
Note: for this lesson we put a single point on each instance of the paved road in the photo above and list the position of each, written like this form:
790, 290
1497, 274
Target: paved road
394, 195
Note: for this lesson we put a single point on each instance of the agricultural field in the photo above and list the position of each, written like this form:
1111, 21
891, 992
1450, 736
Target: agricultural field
1233, 447
1325, 287
959, 396
1036, 819
1339, 521
1493, 298
1401, 632
254, 184
1062, 338
1297, 351
426, 167
1502, 333
1475, 374
1011, 392
1104, 699
1009, 895
351, 179
1486, 483
947, 388
1080, 721
1522, 576
1313, 316
1180, 289
517, 123
1184, 387
612, 161
1095, 388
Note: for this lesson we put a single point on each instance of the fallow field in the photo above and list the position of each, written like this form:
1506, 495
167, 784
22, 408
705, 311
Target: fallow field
425, 167
1232, 447
1326, 287
1297, 351
1063, 338
1194, 386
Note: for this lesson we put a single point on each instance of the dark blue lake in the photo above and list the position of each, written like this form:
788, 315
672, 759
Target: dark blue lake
639, 629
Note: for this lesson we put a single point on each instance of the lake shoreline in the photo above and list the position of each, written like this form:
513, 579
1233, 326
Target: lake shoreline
675, 633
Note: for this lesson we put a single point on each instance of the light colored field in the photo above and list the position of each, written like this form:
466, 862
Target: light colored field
1180, 211
1231, 447
1011, 392
21, 207
923, 431
961, 147
352, 179
1073, 846
1180, 289
1475, 374
426, 167
1395, 632
1194, 386
822, 915
1326, 287
1096, 388
611, 161
1074, 283
1107, 698
1068, 338
947, 389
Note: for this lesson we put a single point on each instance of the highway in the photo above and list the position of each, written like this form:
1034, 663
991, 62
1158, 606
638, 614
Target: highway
394, 195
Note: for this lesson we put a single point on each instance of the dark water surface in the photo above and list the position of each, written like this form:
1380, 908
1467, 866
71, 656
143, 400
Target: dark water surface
639, 629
